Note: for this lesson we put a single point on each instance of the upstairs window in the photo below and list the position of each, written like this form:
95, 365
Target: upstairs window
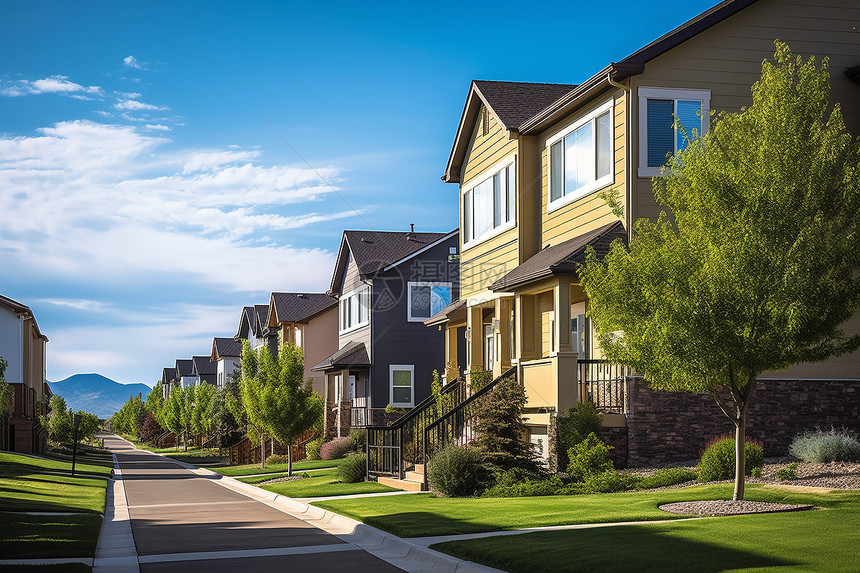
426, 299
491, 204
355, 309
402, 376
580, 159
669, 119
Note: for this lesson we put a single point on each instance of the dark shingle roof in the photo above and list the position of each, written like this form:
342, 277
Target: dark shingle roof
353, 355
375, 250
562, 258
261, 312
183, 367
203, 366
297, 307
515, 102
226, 347
168, 375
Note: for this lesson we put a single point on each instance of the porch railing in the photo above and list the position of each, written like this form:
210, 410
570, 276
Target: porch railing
391, 450
458, 425
604, 384
359, 413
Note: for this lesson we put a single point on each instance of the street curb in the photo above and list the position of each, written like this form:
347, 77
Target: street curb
399, 552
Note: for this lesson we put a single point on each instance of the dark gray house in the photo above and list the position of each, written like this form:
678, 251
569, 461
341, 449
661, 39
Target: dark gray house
254, 327
204, 371
387, 284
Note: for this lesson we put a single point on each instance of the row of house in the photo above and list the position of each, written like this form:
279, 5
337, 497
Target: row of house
531, 163
22, 346
365, 345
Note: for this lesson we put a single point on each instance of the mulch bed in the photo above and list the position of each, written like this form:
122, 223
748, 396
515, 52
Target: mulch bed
718, 507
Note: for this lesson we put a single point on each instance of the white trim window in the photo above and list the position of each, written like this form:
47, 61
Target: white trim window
402, 377
426, 299
669, 119
490, 206
581, 157
354, 309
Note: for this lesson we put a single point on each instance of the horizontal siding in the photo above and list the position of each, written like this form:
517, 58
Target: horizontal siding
588, 212
486, 150
846, 366
726, 59
480, 267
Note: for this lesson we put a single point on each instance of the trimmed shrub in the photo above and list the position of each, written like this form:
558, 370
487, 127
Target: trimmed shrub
359, 439
276, 459
353, 469
666, 477
788, 472
822, 446
312, 449
552, 485
610, 481
457, 471
590, 456
575, 425
718, 459
336, 449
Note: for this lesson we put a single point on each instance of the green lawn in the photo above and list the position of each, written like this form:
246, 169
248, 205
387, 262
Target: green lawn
322, 485
425, 515
193, 456
39, 484
252, 469
56, 568
807, 541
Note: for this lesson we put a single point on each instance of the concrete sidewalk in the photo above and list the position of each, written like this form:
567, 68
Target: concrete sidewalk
184, 518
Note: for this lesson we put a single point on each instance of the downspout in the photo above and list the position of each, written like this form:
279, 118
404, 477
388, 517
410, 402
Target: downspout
628, 150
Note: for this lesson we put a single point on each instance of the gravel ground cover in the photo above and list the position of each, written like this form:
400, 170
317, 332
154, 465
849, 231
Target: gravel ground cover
717, 507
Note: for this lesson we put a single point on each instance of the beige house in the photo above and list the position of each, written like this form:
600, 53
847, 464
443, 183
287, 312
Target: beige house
532, 160
22, 346
308, 320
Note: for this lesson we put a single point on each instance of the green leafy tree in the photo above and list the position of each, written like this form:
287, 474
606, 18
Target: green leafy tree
88, 427
59, 423
155, 400
203, 410
278, 398
756, 268
171, 413
501, 431
129, 419
186, 412
7, 392
256, 368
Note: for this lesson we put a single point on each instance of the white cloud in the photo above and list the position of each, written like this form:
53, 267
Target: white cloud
135, 105
131, 62
156, 127
76, 303
51, 85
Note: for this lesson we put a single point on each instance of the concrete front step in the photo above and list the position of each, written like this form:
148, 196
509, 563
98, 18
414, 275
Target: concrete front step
404, 484
415, 476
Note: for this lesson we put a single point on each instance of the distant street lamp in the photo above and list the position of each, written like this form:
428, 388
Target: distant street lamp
75, 439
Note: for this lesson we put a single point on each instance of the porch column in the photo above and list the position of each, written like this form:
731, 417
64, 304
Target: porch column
451, 366
527, 343
474, 346
565, 369
503, 336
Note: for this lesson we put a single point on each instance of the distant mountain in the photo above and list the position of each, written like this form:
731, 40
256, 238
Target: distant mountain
96, 394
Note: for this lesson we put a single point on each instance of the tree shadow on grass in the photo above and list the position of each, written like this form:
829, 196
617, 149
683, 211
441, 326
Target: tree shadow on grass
645, 548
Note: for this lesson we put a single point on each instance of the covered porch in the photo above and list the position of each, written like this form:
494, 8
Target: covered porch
347, 390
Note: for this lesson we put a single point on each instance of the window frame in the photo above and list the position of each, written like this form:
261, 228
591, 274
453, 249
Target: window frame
589, 117
344, 302
487, 175
675, 94
411, 284
401, 368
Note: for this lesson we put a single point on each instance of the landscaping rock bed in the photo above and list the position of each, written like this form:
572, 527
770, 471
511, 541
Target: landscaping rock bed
717, 507
282, 479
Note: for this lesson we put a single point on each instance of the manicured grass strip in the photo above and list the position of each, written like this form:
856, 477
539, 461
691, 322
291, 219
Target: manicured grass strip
325, 485
251, 469
24, 488
37, 536
425, 515
804, 541
51, 464
193, 456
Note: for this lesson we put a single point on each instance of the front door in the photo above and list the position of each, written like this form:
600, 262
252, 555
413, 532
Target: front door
489, 346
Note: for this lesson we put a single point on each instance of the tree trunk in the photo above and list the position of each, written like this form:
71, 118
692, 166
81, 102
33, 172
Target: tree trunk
740, 455
289, 460
262, 452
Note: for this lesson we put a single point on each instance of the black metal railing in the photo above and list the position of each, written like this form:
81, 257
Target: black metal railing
391, 450
604, 384
458, 424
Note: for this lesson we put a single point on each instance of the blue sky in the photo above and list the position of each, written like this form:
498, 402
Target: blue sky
163, 164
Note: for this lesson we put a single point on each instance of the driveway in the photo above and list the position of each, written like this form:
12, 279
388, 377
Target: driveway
185, 522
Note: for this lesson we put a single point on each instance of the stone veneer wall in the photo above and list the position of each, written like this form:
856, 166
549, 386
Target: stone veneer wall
664, 427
